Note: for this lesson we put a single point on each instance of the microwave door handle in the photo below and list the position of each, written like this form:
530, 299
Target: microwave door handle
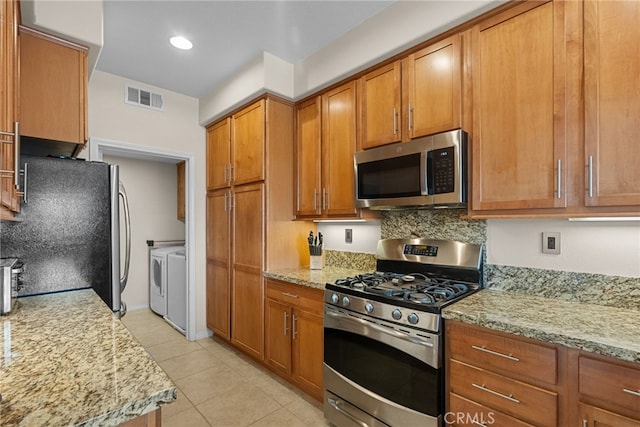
426, 178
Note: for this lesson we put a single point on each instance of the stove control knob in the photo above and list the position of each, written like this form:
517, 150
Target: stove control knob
413, 318
396, 314
345, 301
335, 298
368, 307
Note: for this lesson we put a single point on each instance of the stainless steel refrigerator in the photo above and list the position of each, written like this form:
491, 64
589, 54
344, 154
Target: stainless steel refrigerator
68, 231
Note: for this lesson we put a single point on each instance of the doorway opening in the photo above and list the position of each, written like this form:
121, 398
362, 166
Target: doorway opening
100, 148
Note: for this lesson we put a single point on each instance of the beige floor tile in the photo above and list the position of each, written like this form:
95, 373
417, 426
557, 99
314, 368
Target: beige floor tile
240, 406
280, 391
181, 404
212, 382
280, 418
308, 410
188, 418
189, 364
171, 349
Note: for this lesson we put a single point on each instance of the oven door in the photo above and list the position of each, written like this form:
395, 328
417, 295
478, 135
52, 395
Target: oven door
388, 371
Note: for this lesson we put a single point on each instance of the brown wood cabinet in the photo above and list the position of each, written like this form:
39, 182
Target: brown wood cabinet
518, 70
612, 104
250, 225
380, 106
416, 96
294, 334
180, 193
325, 144
432, 88
9, 85
53, 88
513, 377
515, 381
219, 263
219, 155
609, 392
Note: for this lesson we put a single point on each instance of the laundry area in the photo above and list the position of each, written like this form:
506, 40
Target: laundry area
168, 281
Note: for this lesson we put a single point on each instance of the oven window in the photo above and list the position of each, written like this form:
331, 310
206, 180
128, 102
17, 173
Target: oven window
386, 371
389, 178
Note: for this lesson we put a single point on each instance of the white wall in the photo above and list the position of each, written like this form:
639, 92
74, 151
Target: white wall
175, 128
611, 248
365, 236
151, 190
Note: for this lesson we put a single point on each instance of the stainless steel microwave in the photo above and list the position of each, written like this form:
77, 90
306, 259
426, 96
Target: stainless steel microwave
425, 172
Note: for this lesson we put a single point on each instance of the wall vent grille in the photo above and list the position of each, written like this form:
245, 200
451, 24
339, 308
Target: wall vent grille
143, 98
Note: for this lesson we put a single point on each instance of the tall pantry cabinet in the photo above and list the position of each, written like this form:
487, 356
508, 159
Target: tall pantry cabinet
249, 217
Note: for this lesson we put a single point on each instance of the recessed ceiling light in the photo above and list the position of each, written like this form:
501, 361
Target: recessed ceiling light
181, 43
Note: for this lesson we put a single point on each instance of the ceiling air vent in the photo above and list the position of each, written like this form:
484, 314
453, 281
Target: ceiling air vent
143, 98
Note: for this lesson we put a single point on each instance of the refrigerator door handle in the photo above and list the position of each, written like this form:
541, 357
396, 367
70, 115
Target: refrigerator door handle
127, 230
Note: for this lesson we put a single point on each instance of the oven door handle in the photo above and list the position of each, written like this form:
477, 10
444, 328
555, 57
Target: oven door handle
418, 348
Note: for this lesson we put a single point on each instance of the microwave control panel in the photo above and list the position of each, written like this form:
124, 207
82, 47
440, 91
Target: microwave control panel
443, 163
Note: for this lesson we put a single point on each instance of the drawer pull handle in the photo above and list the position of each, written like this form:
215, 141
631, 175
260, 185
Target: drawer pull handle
287, 294
632, 392
495, 353
510, 398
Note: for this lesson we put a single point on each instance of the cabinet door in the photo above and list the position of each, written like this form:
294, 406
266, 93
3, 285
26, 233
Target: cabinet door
596, 417
219, 154
277, 353
433, 86
248, 253
53, 84
218, 263
8, 104
248, 130
308, 158
380, 106
518, 67
308, 351
338, 147
612, 104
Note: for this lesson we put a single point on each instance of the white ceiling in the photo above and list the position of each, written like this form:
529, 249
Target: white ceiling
227, 35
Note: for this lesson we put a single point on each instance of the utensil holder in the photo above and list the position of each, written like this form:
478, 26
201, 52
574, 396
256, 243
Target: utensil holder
315, 262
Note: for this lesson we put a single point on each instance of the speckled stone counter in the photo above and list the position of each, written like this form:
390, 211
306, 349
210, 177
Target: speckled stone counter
600, 329
312, 278
65, 360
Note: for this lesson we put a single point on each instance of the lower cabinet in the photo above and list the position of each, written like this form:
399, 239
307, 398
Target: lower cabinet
508, 378
294, 334
495, 378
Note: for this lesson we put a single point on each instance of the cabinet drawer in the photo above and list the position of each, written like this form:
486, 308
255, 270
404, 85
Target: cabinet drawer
613, 386
515, 398
300, 296
502, 354
465, 412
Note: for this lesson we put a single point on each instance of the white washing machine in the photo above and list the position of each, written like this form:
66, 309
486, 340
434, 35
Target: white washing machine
158, 277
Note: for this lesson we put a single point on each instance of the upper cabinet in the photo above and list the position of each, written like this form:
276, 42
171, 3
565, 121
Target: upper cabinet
325, 144
380, 104
612, 103
416, 96
9, 132
219, 155
432, 87
235, 148
53, 88
518, 71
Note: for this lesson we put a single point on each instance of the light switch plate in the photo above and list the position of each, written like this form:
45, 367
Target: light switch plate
348, 235
551, 242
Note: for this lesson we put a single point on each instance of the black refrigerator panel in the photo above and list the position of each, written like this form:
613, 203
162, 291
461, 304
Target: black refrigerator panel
63, 235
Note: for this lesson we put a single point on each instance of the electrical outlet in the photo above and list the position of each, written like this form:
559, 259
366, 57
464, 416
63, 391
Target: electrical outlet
551, 242
348, 235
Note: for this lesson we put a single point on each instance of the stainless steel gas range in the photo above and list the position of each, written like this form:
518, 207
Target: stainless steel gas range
383, 333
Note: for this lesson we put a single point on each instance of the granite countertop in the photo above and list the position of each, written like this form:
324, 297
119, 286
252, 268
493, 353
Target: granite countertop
312, 278
609, 331
66, 360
